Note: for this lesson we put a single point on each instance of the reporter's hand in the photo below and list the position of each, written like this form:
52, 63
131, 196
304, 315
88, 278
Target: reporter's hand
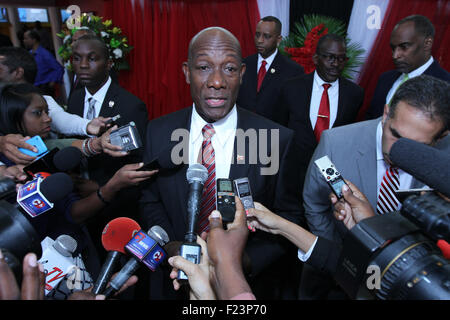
33, 280
88, 295
108, 148
263, 219
14, 172
353, 208
128, 176
97, 126
10, 144
198, 274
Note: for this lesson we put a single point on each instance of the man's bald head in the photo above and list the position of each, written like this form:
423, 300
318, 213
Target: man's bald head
211, 33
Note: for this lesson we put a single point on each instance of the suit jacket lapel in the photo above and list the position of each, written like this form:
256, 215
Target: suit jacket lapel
342, 102
239, 167
307, 101
367, 163
110, 107
275, 67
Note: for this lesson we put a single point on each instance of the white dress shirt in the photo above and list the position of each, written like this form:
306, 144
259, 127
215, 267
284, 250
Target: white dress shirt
412, 74
269, 61
222, 141
316, 96
99, 96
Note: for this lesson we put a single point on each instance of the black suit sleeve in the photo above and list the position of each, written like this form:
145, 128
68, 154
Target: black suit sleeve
264, 248
325, 255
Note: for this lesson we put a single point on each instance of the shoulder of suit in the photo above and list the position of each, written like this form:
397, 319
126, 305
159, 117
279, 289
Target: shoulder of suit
436, 70
174, 119
125, 94
352, 130
260, 122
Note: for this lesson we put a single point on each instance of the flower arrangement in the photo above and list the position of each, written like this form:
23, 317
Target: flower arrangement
116, 42
301, 44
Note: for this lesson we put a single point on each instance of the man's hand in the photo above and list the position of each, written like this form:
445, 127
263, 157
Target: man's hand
128, 176
14, 172
10, 144
353, 208
88, 295
198, 274
107, 147
33, 280
97, 126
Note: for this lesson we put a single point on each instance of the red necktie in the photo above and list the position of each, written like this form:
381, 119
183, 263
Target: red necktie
261, 74
323, 118
387, 199
209, 188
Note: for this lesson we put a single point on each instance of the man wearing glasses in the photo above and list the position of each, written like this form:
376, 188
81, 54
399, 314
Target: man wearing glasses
313, 103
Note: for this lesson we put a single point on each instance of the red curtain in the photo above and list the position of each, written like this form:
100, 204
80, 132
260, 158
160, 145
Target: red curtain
160, 32
380, 59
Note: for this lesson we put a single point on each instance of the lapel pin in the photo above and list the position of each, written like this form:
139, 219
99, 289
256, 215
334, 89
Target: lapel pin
111, 104
272, 70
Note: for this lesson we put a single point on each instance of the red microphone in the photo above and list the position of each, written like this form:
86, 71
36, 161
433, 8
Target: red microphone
116, 234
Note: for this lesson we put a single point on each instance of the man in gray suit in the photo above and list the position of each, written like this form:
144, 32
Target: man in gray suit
419, 111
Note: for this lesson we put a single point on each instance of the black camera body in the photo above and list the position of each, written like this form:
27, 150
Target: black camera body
389, 257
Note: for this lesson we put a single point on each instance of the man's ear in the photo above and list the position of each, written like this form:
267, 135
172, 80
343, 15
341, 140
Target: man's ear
243, 68
185, 68
385, 112
315, 59
428, 44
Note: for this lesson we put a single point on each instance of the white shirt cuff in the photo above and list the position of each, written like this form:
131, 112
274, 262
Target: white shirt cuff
305, 256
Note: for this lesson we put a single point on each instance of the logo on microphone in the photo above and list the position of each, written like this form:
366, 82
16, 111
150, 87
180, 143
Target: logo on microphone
38, 204
157, 256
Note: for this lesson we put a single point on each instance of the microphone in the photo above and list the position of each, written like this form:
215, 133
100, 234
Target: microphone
196, 176
55, 161
427, 164
116, 234
57, 259
38, 196
145, 248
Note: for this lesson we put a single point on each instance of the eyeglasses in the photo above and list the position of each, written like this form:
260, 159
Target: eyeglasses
331, 58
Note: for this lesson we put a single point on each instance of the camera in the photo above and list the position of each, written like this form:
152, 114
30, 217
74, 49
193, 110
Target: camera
126, 137
395, 256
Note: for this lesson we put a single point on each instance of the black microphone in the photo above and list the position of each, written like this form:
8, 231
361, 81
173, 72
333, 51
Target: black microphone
190, 249
145, 248
427, 164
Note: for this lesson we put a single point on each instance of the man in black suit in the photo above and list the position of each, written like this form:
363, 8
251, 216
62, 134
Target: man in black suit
263, 99
91, 65
301, 97
312, 103
214, 71
99, 96
411, 43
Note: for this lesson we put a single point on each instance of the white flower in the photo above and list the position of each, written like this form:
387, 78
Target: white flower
66, 38
117, 53
104, 34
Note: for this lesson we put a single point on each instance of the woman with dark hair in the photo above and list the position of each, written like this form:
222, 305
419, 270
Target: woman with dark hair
24, 111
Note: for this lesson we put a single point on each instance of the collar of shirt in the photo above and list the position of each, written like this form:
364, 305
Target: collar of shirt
99, 96
269, 60
421, 69
318, 82
224, 128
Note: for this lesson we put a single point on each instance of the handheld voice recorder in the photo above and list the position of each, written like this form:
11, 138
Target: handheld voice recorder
225, 202
242, 187
331, 175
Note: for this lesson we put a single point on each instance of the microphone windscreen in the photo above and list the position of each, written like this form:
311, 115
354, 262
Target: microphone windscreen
118, 232
425, 163
197, 172
67, 159
56, 186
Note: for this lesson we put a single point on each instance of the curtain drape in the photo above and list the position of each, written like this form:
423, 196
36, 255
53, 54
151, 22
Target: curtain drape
380, 59
160, 32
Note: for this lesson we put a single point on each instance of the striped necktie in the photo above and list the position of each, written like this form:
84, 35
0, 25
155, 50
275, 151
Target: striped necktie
387, 199
91, 110
209, 188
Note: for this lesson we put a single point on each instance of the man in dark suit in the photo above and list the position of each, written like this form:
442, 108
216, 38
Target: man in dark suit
214, 71
91, 65
262, 96
301, 97
411, 43
315, 102
99, 96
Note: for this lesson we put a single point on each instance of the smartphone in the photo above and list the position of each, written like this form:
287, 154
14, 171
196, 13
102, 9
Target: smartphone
242, 187
225, 202
37, 142
152, 165
331, 174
